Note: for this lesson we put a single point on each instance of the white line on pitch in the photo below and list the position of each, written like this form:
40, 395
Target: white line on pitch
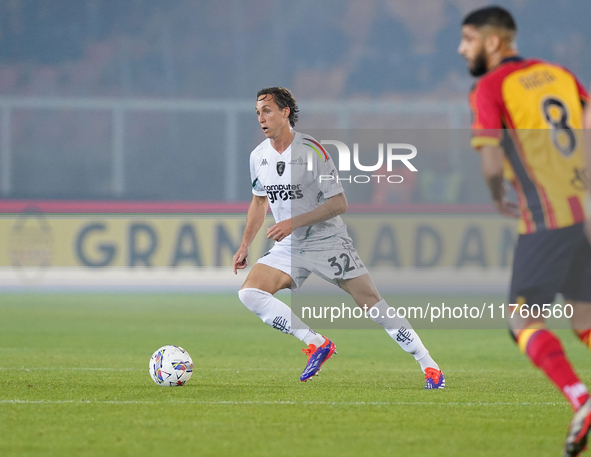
205, 369
270, 369
279, 402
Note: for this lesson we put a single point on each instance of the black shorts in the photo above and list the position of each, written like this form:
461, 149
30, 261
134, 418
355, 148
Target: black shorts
551, 262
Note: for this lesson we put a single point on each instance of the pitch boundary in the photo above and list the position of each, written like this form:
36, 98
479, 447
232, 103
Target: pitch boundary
278, 402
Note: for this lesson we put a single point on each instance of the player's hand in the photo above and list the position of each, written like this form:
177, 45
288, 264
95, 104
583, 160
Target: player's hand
239, 260
280, 230
507, 208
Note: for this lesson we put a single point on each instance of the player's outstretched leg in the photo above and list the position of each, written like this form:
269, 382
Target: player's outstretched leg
278, 315
402, 332
545, 351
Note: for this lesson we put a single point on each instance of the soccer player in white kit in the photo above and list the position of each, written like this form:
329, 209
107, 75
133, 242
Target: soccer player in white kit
310, 237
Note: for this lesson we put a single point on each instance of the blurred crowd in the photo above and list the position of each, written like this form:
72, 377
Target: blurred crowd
228, 49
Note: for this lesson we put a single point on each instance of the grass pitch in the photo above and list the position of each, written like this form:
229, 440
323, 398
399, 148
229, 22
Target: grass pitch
74, 382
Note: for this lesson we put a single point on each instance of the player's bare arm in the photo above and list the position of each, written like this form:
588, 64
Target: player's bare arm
333, 207
254, 221
492, 170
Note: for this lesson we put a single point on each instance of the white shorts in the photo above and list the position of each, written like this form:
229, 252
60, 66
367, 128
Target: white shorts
333, 259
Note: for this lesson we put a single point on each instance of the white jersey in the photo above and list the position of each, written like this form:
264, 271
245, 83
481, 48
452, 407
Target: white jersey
292, 190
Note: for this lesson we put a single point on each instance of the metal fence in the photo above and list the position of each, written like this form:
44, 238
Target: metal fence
165, 149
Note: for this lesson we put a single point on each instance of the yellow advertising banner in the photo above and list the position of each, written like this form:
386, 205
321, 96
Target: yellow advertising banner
102, 241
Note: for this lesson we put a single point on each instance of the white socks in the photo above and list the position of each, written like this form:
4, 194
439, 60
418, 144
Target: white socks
278, 315
402, 332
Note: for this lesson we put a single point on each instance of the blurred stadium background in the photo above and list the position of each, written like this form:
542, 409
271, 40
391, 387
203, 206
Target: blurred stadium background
145, 109
125, 133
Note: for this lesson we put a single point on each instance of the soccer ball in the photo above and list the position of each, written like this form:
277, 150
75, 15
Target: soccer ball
171, 366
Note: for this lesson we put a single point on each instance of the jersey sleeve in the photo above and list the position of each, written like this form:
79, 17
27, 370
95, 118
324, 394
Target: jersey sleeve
487, 121
326, 173
257, 186
583, 94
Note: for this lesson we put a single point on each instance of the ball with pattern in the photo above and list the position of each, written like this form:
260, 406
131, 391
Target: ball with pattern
171, 366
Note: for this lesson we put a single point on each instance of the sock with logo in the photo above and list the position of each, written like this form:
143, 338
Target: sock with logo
545, 351
278, 315
402, 332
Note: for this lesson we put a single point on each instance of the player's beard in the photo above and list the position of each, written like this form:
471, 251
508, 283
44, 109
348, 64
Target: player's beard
479, 67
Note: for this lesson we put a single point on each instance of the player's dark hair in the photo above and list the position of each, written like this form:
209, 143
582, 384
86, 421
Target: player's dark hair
493, 16
284, 99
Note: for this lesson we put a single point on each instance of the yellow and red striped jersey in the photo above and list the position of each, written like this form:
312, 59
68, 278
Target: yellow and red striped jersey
534, 109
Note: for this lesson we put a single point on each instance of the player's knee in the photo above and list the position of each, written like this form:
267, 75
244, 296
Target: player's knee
375, 299
253, 299
248, 296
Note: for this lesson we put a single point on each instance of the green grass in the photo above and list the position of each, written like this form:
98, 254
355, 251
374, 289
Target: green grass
74, 382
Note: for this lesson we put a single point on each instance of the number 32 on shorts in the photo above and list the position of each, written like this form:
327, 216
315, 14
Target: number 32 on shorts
343, 265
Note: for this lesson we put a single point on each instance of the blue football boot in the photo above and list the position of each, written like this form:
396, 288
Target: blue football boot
316, 357
434, 379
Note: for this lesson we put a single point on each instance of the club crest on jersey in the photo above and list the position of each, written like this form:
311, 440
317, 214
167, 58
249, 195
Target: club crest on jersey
280, 168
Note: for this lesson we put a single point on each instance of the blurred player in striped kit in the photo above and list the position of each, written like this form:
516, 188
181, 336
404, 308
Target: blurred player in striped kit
527, 120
